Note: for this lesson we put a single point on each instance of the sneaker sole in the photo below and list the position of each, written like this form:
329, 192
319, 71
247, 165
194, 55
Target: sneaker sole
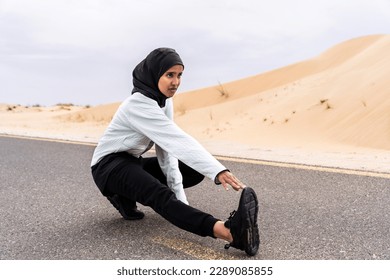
121, 211
250, 204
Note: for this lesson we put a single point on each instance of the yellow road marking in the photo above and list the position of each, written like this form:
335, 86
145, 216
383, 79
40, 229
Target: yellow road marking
242, 160
307, 167
48, 139
193, 249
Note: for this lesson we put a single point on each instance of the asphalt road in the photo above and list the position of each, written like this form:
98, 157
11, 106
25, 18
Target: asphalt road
51, 209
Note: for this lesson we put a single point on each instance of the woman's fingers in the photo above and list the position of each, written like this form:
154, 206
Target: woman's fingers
227, 178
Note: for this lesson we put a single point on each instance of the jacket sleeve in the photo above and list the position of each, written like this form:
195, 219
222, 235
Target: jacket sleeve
170, 165
150, 120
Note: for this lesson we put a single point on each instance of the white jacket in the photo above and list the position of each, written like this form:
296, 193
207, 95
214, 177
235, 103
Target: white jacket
140, 122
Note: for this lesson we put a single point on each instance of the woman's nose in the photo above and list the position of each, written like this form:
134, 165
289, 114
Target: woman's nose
175, 81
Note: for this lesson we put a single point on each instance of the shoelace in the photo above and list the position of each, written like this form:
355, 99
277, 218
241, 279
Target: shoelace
232, 214
230, 217
227, 246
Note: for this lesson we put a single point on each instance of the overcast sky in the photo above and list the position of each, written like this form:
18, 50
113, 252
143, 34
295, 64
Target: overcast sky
84, 51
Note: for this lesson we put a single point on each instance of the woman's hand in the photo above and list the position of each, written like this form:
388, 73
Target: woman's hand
227, 178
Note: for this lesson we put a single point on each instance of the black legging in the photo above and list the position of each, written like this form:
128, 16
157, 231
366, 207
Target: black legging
141, 180
190, 176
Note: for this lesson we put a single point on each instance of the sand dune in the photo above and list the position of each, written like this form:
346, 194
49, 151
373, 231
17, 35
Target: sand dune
334, 104
341, 96
279, 77
101, 113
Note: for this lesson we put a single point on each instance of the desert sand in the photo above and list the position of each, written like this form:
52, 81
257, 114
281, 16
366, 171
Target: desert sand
332, 110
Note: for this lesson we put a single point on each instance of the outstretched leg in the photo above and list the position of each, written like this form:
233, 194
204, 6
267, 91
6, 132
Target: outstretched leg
128, 178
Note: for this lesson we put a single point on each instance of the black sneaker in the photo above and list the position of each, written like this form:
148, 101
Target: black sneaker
127, 209
243, 223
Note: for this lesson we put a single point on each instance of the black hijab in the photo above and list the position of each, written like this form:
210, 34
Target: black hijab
148, 72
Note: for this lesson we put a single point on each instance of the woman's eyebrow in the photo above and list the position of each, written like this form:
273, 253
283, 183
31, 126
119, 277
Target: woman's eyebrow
174, 72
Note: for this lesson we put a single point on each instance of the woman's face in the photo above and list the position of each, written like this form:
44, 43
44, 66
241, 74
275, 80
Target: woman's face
169, 82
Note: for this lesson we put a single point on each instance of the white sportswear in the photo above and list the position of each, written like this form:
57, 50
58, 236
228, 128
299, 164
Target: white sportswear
139, 123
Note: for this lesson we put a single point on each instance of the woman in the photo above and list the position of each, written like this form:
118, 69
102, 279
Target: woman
125, 177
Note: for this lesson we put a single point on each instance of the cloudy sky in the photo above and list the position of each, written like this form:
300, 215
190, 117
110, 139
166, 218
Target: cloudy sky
84, 51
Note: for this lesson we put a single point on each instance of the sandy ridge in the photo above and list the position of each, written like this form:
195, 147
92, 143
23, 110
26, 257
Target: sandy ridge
331, 110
